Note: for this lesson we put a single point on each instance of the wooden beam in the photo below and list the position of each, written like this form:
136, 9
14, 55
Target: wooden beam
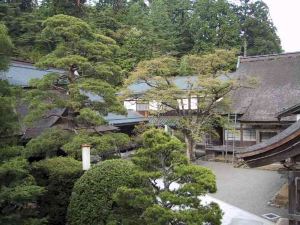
288, 150
294, 197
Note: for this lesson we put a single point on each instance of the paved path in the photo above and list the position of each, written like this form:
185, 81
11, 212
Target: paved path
248, 189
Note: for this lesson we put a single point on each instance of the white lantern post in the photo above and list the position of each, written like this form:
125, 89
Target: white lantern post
86, 156
166, 129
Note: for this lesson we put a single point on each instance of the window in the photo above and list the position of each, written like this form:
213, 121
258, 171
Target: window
232, 135
249, 135
266, 135
142, 106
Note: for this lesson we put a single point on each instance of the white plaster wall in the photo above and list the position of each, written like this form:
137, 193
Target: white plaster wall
194, 103
154, 105
130, 105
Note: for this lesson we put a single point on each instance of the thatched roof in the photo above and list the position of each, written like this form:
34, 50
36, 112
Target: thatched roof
294, 110
278, 86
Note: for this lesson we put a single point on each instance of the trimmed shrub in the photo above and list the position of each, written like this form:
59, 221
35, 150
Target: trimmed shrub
58, 176
91, 201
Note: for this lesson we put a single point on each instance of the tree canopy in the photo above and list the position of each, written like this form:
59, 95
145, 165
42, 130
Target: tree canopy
141, 31
257, 29
197, 105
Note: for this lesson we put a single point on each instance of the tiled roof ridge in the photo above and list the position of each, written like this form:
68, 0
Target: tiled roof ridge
269, 57
27, 64
18, 60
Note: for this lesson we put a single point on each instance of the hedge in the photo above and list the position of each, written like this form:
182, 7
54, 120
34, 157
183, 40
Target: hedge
91, 201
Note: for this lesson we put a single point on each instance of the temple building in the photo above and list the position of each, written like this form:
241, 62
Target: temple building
254, 110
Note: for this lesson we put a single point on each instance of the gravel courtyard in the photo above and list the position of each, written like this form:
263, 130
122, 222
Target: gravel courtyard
248, 189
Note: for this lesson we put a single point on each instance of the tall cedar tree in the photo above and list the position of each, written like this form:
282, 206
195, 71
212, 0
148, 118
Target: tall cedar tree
214, 25
258, 32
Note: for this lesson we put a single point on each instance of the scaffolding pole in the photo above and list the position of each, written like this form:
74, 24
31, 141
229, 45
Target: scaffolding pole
233, 142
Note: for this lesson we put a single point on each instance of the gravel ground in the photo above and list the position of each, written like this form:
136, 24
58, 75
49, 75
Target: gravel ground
248, 189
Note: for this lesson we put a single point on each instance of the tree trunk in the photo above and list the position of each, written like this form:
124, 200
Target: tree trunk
189, 147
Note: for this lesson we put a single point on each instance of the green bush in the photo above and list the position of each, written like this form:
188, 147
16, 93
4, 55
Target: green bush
91, 201
58, 176
9, 152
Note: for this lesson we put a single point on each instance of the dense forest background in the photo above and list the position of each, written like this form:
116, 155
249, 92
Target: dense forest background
140, 29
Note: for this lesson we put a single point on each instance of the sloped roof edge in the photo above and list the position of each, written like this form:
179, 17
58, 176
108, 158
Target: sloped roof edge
268, 57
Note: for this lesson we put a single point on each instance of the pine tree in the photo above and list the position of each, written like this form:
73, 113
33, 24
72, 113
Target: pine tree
171, 187
206, 88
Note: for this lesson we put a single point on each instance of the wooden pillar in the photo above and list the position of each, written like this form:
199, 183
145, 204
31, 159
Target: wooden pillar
241, 135
257, 136
294, 197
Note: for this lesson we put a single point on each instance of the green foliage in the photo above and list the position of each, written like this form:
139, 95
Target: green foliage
5, 47
214, 25
142, 31
220, 61
50, 142
18, 191
58, 176
104, 146
257, 29
8, 152
208, 86
47, 144
172, 187
8, 119
24, 27
73, 42
53, 7
92, 197
88, 93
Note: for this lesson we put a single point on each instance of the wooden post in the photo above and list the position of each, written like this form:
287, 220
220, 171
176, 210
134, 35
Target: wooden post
241, 135
294, 197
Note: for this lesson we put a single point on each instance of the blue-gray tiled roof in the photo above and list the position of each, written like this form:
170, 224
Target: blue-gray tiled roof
132, 117
181, 82
20, 73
